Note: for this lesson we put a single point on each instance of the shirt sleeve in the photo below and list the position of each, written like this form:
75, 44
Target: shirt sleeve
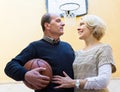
14, 68
102, 80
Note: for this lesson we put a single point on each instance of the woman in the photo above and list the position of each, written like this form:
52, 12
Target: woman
93, 64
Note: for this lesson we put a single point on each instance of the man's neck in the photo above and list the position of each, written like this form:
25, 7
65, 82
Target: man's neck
51, 40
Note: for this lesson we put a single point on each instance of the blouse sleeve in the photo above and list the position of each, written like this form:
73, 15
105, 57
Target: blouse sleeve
106, 57
100, 81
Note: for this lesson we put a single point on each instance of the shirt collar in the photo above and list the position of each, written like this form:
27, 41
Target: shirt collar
51, 40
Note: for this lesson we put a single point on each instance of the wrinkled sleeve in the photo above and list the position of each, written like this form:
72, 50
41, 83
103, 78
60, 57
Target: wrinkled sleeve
102, 80
14, 69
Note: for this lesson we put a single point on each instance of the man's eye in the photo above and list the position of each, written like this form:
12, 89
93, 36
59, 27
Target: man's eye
58, 20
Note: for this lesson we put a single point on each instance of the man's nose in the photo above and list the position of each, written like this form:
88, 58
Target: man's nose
63, 24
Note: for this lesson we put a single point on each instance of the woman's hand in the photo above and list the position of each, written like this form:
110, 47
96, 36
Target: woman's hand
65, 82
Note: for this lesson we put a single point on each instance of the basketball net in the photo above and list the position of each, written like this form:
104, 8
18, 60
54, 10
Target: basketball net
69, 14
69, 18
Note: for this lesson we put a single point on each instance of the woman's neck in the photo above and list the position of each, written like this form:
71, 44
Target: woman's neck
90, 44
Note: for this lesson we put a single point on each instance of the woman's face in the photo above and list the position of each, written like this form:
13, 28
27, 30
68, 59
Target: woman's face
83, 31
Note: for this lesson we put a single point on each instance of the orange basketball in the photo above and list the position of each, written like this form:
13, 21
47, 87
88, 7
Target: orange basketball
35, 63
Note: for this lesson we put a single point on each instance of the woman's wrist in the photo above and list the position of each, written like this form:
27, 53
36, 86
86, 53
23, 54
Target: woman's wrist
83, 83
79, 83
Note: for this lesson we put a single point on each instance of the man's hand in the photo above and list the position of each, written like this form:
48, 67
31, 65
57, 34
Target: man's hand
35, 79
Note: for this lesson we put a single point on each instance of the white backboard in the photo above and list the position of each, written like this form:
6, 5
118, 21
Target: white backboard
53, 6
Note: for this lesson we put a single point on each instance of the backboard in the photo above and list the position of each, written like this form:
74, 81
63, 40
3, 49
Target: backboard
80, 7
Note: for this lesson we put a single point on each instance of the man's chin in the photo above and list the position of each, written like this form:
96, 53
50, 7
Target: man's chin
62, 33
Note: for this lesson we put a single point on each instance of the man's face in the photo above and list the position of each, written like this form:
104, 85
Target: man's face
56, 26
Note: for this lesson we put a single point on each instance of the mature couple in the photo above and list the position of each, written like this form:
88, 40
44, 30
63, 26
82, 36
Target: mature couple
86, 70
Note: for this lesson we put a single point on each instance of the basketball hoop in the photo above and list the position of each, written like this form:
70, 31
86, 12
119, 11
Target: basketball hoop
69, 12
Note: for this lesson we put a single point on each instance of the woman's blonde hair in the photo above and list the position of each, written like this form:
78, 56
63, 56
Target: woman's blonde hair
96, 24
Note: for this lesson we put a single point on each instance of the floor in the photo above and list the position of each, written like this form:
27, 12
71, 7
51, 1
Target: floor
114, 86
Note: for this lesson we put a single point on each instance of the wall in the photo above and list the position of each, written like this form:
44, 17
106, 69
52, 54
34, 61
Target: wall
20, 25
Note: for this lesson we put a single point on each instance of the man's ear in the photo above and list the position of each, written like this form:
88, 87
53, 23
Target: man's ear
47, 25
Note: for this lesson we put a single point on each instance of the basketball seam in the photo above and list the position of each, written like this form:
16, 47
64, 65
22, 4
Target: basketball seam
31, 65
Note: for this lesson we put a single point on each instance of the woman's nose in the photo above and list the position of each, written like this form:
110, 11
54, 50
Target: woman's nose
78, 28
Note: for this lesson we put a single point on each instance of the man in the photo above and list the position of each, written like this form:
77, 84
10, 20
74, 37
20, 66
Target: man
59, 55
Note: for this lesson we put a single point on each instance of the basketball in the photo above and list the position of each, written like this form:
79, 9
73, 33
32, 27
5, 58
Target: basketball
35, 63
